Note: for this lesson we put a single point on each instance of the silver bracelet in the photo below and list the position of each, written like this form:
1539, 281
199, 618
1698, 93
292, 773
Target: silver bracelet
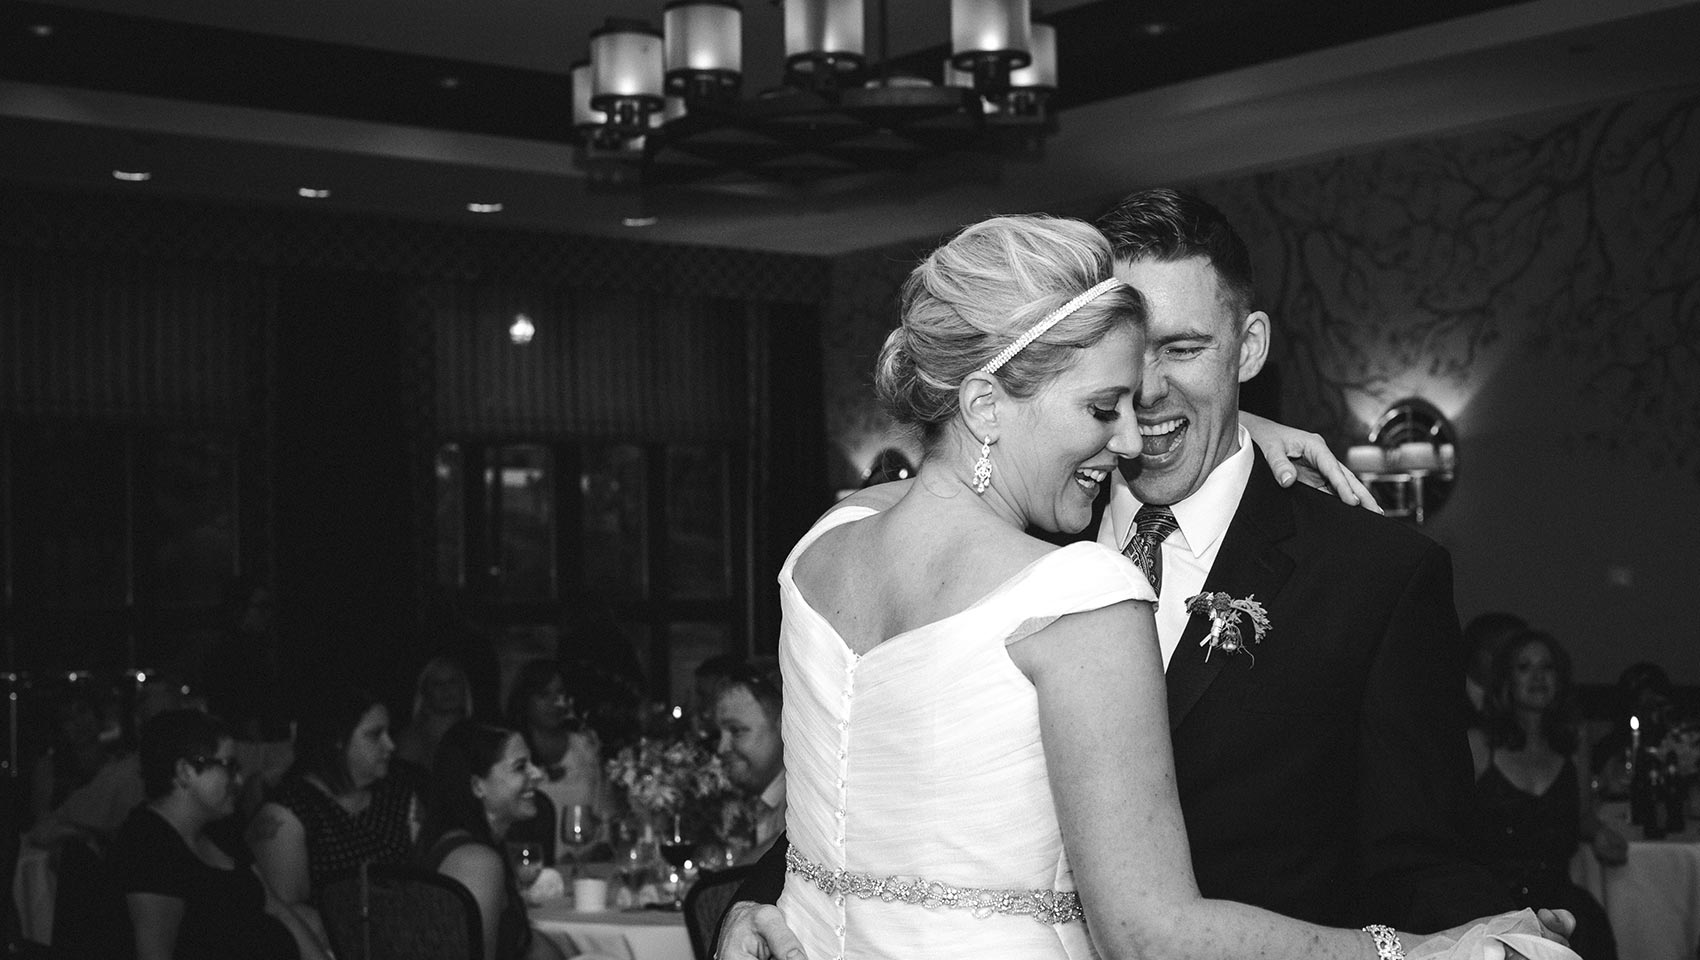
1387, 945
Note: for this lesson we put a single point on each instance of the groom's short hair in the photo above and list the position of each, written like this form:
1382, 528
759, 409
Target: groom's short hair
1167, 225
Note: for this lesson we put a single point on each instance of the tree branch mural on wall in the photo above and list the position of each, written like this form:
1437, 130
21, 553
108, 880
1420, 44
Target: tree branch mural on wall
1427, 264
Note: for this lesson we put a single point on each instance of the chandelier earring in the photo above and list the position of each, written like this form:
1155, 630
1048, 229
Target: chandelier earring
983, 467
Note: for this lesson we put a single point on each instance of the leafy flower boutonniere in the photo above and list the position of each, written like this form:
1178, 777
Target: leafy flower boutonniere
1225, 612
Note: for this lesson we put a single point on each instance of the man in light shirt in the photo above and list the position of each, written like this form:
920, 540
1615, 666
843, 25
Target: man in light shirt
746, 711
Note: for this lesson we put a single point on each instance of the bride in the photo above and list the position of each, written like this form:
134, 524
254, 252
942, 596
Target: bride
975, 720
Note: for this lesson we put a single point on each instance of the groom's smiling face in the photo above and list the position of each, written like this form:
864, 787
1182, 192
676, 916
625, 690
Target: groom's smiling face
1198, 350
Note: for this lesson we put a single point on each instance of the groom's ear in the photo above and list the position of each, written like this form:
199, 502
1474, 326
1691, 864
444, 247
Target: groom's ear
1254, 344
978, 396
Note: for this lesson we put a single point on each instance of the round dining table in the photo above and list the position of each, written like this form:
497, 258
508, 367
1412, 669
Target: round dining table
614, 933
1653, 899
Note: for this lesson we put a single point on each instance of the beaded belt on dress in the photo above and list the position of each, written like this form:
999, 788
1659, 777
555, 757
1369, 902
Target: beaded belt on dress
1045, 906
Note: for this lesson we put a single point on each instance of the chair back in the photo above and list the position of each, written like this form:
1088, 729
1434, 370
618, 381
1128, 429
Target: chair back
90, 917
391, 911
706, 902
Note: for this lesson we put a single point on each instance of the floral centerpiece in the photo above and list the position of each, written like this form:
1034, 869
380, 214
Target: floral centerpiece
662, 778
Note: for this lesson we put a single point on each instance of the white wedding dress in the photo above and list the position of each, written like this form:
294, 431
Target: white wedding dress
921, 759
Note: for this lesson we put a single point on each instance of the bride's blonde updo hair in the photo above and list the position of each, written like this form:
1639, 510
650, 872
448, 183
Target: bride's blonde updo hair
972, 297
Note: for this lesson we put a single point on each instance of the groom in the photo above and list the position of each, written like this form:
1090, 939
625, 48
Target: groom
1322, 772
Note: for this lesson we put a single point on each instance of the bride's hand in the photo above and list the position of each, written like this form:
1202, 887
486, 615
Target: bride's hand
1300, 454
1556, 924
757, 931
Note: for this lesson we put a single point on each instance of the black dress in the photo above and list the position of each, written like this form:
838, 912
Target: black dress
1527, 840
338, 841
223, 910
513, 927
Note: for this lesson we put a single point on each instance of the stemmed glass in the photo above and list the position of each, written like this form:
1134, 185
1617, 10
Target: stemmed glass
578, 833
527, 859
634, 858
676, 849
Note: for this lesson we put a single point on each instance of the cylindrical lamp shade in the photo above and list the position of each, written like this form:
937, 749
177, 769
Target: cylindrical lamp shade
814, 28
1041, 74
957, 78
703, 35
1418, 455
1366, 458
584, 115
998, 28
626, 64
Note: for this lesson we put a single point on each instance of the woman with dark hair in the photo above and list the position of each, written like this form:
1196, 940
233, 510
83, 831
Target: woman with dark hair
482, 783
189, 898
1534, 808
336, 808
567, 751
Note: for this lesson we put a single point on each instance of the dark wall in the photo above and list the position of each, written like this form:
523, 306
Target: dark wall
343, 548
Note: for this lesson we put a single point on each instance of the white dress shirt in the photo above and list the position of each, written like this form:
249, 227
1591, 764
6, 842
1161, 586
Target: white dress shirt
1189, 551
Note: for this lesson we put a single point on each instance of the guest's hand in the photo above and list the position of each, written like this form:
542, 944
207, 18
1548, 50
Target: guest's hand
757, 931
1610, 847
1302, 455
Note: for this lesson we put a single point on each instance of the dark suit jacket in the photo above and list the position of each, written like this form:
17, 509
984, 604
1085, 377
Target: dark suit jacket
1327, 778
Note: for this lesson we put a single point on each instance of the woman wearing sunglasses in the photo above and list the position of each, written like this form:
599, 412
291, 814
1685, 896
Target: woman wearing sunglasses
188, 896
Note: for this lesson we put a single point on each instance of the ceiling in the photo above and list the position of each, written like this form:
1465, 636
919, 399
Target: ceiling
413, 108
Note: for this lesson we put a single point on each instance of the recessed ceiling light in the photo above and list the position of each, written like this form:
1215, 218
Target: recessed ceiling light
484, 207
448, 81
132, 176
312, 193
1156, 28
641, 221
43, 30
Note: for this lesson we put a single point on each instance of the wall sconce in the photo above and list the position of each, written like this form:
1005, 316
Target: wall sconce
1410, 461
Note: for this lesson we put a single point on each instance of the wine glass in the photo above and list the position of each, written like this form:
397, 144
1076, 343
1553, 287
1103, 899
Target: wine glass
676, 850
527, 860
578, 832
634, 859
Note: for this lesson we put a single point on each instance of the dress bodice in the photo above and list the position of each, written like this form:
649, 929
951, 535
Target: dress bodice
922, 758
1527, 838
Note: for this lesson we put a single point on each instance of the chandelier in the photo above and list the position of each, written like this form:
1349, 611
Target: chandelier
660, 108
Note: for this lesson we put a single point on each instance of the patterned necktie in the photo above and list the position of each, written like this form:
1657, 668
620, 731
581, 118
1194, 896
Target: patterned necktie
1152, 524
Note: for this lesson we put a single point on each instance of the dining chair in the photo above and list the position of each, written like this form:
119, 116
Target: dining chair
90, 918
389, 911
706, 902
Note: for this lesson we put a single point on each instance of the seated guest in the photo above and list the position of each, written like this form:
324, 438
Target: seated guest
335, 808
747, 712
95, 810
1482, 637
482, 783
442, 697
1534, 808
78, 751
189, 898
568, 752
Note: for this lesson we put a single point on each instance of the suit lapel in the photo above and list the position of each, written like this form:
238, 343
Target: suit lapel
1249, 563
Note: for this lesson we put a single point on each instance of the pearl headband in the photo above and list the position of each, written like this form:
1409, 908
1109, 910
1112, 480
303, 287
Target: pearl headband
1051, 319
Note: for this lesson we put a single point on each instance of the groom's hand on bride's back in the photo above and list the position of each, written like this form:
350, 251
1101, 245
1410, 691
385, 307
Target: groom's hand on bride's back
757, 931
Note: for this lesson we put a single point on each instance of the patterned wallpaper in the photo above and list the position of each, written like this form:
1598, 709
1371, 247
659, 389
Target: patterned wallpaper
1540, 284
1420, 269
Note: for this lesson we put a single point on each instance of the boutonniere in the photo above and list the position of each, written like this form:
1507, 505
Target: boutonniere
1225, 613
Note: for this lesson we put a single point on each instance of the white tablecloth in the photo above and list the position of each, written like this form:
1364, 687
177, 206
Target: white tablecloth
618, 934
1653, 900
